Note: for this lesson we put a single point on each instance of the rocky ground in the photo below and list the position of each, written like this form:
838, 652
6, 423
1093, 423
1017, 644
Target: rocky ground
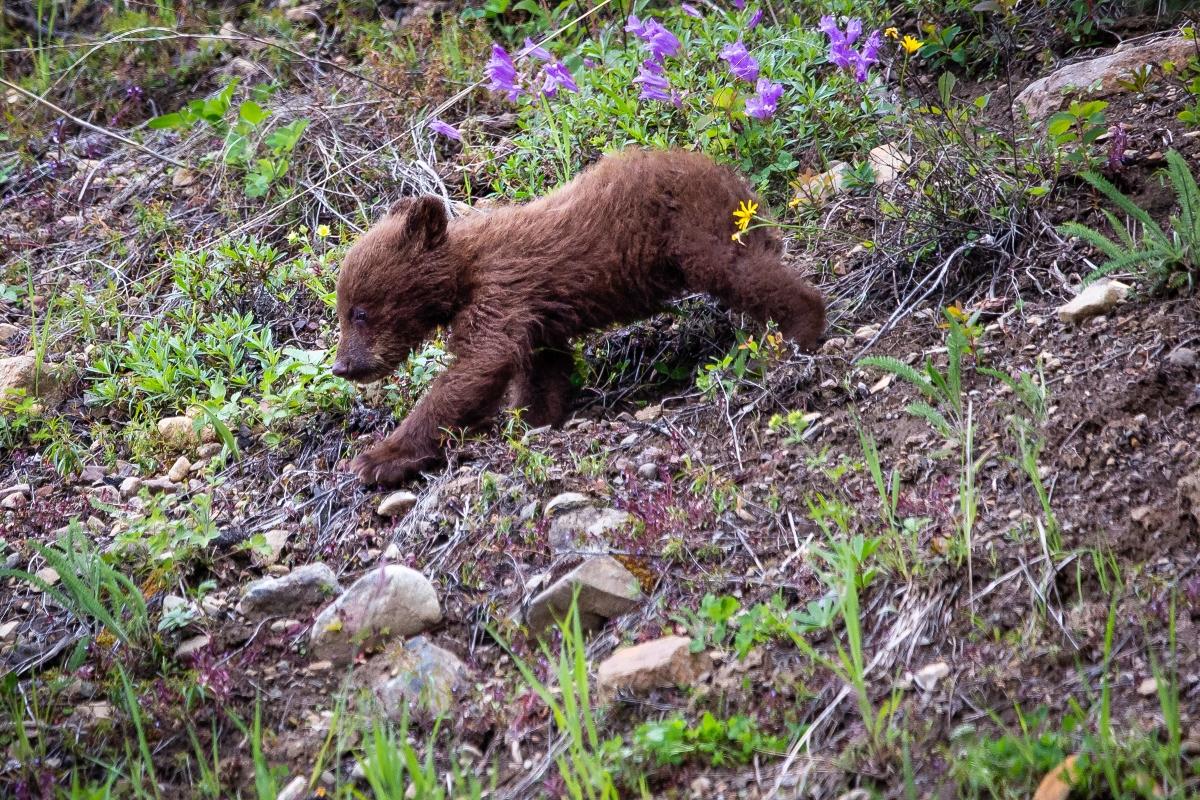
230, 609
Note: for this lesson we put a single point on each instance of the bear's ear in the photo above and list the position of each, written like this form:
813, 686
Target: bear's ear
425, 220
399, 207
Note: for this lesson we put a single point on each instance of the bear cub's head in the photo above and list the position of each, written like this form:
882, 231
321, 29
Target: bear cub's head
397, 284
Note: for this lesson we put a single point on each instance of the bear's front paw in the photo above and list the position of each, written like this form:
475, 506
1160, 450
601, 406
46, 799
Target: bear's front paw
388, 466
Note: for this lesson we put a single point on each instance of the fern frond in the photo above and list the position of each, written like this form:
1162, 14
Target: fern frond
1188, 195
901, 370
1121, 229
935, 418
1094, 238
1125, 203
1118, 264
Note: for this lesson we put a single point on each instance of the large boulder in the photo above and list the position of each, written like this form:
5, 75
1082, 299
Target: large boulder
415, 674
606, 590
23, 374
305, 587
1098, 77
391, 601
661, 663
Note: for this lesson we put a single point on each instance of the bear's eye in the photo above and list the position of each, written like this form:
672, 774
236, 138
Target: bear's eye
358, 316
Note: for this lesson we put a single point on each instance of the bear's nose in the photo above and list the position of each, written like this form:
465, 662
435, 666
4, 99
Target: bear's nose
340, 368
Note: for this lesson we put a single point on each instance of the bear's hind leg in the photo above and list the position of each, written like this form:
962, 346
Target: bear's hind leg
544, 391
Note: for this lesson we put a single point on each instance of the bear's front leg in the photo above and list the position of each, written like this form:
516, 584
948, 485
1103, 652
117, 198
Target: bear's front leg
467, 393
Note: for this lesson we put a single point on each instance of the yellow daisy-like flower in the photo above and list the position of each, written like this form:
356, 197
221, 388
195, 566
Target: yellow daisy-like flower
744, 213
322, 231
892, 33
910, 44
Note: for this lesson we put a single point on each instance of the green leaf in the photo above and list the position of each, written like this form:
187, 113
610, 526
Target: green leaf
724, 98
252, 112
173, 120
1060, 123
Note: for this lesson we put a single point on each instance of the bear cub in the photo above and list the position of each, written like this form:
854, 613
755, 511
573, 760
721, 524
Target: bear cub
515, 285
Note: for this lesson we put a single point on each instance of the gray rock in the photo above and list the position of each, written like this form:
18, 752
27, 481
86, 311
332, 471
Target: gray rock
1097, 77
396, 504
391, 601
180, 469
1182, 357
1098, 298
130, 486
415, 674
21, 373
209, 450
567, 501
160, 485
275, 540
8, 332
178, 432
22, 489
304, 587
296, 790
189, 648
606, 589
648, 471
1189, 493
585, 530
92, 474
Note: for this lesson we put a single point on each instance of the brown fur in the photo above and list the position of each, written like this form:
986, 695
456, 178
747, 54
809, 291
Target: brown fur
515, 285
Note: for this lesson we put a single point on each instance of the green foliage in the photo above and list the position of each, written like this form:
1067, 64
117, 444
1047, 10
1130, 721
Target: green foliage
242, 136
718, 624
1168, 259
584, 765
396, 771
226, 362
794, 424
943, 389
746, 362
1076, 129
25, 420
93, 590
719, 742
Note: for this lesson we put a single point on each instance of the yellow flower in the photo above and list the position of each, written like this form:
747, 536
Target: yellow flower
892, 33
744, 213
322, 231
910, 44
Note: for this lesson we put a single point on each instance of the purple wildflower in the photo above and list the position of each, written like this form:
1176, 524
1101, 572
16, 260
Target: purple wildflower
659, 40
841, 53
853, 30
557, 76
868, 56
502, 73
691, 10
739, 4
534, 50
741, 63
1117, 142
763, 103
654, 83
662, 42
589, 64
828, 26
450, 132
755, 18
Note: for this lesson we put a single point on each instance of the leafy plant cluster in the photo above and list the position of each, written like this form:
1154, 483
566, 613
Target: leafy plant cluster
246, 143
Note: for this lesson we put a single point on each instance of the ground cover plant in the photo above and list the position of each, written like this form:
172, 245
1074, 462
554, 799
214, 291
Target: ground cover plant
952, 554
